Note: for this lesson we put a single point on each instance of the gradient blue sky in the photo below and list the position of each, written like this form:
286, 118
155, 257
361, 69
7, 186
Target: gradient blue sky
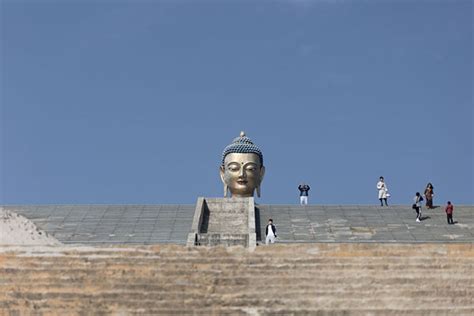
134, 101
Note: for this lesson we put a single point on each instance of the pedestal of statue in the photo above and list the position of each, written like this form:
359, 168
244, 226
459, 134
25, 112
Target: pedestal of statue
223, 221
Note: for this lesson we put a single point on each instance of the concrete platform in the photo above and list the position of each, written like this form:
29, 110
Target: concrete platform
152, 224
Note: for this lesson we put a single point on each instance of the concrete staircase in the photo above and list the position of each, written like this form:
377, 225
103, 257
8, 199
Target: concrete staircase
155, 224
310, 279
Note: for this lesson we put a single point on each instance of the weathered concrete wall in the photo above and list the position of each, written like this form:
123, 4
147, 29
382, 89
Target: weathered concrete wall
223, 221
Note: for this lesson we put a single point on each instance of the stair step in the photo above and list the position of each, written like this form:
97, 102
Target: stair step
276, 280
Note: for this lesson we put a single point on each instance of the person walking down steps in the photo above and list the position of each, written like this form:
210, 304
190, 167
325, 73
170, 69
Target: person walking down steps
270, 232
304, 188
383, 191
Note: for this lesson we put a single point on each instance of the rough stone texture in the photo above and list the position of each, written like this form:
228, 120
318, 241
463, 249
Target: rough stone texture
223, 221
227, 215
297, 279
221, 239
150, 224
18, 230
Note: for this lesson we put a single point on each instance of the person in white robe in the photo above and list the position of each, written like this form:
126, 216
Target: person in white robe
383, 191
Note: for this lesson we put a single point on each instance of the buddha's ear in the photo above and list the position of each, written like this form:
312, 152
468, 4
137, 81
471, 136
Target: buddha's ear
262, 174
221, 172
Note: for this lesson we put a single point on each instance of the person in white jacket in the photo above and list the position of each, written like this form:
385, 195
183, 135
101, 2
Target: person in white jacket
383, 191
417, 206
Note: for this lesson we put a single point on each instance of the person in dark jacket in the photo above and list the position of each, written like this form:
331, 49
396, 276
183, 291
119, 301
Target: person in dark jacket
270, 232
449, 212
304, 188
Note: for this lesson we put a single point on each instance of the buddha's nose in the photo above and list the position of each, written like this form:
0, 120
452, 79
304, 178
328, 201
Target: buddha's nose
242, 173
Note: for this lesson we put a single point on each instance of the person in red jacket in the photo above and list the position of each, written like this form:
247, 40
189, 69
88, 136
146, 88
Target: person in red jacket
449, 212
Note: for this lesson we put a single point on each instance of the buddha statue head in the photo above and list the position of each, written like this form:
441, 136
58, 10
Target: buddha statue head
242, 168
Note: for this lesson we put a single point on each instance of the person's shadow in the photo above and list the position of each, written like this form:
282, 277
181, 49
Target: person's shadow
422, 218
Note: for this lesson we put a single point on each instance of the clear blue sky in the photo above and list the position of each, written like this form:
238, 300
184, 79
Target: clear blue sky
134, 101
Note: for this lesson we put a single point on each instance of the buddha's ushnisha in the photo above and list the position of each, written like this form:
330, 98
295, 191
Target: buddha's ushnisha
242, 168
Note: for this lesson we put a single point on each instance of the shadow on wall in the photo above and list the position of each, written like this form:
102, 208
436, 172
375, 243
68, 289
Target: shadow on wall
258, 229
205, 219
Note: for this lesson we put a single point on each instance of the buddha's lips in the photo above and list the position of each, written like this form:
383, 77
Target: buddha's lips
242, 181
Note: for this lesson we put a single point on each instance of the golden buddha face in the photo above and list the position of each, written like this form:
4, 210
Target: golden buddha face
241, 174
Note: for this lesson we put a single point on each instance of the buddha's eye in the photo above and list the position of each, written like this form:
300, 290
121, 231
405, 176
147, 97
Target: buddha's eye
251, 167
233, 168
